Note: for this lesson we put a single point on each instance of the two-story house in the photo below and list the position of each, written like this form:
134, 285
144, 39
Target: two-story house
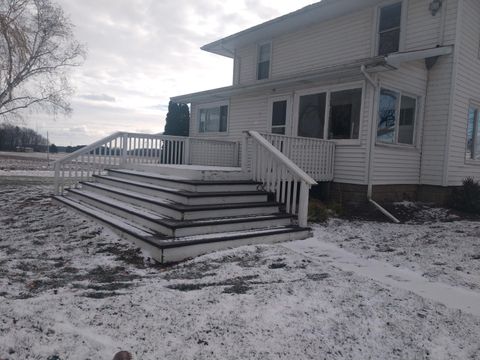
395, 84
379, 98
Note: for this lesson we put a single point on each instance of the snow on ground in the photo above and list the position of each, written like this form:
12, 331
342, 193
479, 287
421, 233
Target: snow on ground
71, 290
440, 251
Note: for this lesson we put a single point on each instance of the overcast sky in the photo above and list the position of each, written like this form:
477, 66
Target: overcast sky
142, 52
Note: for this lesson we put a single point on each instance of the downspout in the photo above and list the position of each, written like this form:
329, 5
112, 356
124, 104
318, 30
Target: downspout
370, 153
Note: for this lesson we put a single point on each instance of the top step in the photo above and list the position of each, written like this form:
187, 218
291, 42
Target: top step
192, 172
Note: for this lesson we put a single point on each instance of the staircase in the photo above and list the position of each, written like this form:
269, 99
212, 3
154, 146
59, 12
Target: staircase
177, 212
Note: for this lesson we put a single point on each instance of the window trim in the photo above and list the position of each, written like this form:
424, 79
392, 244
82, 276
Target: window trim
212, 105
257, 58
476, 105
328, 90
376, 26
416, 122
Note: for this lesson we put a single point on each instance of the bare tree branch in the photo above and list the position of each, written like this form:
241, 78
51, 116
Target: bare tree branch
37, 47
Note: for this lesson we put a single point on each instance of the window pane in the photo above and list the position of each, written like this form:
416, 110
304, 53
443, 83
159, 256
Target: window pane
279, 113
387, 115
213, 119
390, 16
201, 123
345, 114
278, 130
407, 120
473, 134
389, 42
263, 70
264, 53
311, 117
223, 118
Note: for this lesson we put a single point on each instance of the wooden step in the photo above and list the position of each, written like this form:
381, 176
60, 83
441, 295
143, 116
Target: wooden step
181, 211
181, 183
172, 227
171, 249
184, 196
192, 172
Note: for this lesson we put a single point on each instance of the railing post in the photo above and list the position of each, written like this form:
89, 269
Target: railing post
56, 183
124, 150
303, 204
186, 152
244, 152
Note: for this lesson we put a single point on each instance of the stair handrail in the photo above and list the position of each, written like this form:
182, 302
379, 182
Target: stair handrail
280, 175
127, 148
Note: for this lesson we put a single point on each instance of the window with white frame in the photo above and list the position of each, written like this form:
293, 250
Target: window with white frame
396, 118
344, 112
279, 117
263, 61
213, 119
389, 28
473, 134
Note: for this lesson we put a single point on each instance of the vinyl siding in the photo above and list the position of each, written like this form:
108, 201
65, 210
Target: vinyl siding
400, 164
332, 42
467, 88
347, 38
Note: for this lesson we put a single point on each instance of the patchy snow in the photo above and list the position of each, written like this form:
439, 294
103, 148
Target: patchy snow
71, 289
440, 251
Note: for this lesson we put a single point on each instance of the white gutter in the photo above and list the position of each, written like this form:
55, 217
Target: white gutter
395, 60
370, 153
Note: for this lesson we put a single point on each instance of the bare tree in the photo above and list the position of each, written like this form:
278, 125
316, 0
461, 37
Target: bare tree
37, 48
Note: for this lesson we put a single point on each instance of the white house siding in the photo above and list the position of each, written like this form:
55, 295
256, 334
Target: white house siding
423, 30
467, 88
437, 108
332, 42
246, 60
398, 164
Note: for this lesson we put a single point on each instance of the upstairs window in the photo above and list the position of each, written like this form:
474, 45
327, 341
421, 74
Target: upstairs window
213, 119
263, 61
397, 117
389, 29
473, 134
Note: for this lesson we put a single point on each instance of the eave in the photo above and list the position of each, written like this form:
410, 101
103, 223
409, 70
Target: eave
341, 71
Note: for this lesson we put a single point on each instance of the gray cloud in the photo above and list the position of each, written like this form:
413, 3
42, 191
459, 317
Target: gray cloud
142, 52
100, 97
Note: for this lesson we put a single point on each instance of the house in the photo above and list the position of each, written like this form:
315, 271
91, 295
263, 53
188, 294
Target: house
380, 99
395, 84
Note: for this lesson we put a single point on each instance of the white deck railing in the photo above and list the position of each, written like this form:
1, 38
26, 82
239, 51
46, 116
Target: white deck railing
279, 174
122, 149
314, 156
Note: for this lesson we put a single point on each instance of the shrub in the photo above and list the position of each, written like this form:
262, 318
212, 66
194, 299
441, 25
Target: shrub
321, 212
467, 197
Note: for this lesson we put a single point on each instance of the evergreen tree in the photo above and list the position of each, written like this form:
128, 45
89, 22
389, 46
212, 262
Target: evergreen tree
178, 119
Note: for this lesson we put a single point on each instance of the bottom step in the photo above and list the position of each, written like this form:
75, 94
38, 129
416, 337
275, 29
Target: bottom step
167, 249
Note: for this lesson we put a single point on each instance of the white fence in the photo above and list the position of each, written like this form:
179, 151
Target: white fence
121, 149
314, 156
279, 175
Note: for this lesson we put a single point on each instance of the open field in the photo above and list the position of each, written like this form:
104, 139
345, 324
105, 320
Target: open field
70, 289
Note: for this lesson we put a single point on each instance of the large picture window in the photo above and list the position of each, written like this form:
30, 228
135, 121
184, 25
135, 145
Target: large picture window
389, 27
473, 134
396, 118
213, 119
344, 112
